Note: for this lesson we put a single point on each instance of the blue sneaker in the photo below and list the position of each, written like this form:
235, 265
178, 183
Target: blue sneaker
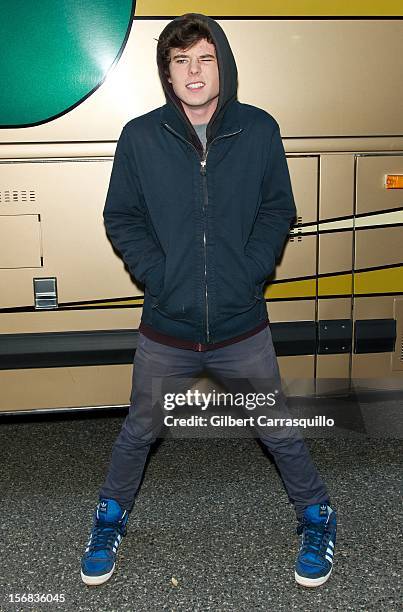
315, 558
98, 561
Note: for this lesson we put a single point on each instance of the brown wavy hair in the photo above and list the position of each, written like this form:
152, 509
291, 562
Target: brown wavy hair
180, 33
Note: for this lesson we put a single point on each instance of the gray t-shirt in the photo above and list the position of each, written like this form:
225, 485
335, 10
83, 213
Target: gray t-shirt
201, 132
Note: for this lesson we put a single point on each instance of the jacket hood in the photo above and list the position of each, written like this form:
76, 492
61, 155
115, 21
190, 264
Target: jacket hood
228, 76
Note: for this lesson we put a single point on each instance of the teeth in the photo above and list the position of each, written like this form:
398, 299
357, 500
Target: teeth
195, 85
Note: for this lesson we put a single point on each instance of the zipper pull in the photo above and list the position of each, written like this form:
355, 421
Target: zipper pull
203, 166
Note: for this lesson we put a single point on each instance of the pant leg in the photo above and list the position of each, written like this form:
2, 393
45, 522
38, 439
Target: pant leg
251, 365
155, 364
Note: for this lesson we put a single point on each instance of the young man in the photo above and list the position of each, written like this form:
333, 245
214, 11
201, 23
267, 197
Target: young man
199, 206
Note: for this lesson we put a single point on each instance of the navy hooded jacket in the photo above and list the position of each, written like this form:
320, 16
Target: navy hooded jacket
201, 231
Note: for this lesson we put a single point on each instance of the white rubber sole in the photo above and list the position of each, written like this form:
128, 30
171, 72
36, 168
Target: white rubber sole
312, 582
95, 580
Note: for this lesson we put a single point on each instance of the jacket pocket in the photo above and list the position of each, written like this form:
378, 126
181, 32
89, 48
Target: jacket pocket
237, 290
155, 279
176, 299
172, 307
255, 287
258, 275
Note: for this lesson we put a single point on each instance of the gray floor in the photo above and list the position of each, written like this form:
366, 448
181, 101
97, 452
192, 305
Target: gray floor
211, 513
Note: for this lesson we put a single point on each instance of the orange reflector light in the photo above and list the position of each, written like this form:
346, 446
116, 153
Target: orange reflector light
394, 181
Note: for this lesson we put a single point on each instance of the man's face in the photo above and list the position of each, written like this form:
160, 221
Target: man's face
194, 76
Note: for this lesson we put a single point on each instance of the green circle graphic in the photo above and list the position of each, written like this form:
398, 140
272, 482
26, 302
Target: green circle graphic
55, 53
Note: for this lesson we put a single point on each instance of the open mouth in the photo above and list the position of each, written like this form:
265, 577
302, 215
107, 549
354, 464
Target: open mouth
195, 86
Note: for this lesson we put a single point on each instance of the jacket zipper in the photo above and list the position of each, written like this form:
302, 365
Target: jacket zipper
203, 172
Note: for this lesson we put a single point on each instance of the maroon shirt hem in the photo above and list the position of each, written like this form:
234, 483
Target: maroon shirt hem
151, 333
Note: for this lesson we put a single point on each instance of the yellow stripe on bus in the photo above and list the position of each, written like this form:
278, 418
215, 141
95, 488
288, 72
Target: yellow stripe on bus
303, 288
388, 280
267, 8
109, 304
342, 284
382, 281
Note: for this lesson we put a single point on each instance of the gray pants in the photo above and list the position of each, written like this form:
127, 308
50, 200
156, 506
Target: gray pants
251, 363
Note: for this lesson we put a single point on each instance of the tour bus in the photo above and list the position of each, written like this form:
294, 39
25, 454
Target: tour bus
74, 73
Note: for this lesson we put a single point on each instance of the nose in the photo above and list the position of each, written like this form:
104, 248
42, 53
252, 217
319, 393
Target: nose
194, 66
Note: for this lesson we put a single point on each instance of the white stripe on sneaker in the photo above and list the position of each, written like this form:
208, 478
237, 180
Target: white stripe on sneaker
329, 559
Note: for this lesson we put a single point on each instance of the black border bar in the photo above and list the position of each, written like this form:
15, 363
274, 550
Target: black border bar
108, 347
